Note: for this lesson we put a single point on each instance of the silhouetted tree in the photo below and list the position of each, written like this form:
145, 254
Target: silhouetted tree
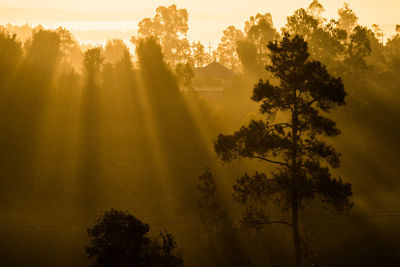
319, 37
358, 49
47, 43
209, 203
331, 46
227, 48
92, 63
302, 23
253, 50
316, 9
151, 60
378, 31
248, 56
200, 57
376, 56
71, 52
184, 75
219, 231
26, 87
10, 59
259, 30
176, 131
115, 50
340, 45
167, 27
23, 32
324, 40
393, 48
347, 18
91, 119
302, 90
120, 239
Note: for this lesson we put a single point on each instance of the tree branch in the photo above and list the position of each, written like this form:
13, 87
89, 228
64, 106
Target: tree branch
283, 124
314, 100
262, 158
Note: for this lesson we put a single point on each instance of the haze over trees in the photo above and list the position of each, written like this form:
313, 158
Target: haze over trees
88, 128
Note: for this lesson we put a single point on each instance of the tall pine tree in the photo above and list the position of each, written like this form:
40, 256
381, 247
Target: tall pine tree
302, 91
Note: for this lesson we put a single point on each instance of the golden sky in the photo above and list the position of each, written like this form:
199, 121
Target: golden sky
209, 17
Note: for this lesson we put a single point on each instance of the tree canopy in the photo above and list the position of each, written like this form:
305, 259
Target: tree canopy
169, 28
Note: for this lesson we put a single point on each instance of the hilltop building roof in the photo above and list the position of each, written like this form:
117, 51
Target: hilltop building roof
214, 70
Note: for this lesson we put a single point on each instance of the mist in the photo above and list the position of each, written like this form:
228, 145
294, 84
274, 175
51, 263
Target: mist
193, 135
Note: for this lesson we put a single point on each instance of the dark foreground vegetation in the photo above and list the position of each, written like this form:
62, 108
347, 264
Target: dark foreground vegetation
119, 239
293, 163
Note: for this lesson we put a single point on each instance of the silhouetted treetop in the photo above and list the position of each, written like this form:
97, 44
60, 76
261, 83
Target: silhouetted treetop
347, 18
115, 50
358, 50
301, 23
169, 28
290, 65
253, 50
44, 51
200, 57
316, 9
184, 75
227, 48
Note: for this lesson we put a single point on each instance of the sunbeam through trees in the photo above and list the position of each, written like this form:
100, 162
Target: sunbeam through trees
275, 145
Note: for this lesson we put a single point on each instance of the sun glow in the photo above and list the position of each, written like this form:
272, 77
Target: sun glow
95, 22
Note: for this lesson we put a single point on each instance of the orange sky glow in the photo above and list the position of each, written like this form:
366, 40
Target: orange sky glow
207, 18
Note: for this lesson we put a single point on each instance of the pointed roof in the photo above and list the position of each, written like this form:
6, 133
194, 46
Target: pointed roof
215, 70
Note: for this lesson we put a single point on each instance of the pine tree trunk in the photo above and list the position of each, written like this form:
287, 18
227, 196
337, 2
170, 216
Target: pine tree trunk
295, 199
296, 235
